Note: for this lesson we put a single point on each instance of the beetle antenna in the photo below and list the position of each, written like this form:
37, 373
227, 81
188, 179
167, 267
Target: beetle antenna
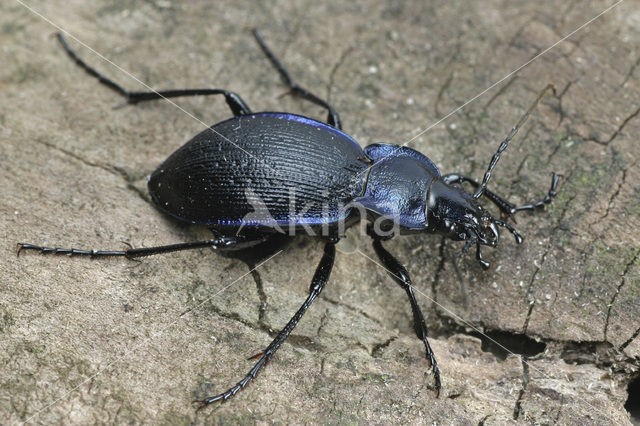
503, 145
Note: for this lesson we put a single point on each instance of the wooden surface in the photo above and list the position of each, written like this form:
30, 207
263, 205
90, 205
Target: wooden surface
117, 342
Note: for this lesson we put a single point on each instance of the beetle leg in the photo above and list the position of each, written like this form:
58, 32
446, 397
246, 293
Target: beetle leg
546, 200
320, 278
505, 206
235, 102
132, 253
510, 228
473, 239
468, 243
400, 275
333, 117
485, 265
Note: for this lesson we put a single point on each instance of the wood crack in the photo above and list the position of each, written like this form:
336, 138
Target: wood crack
633, 115
630, 72
618, 290
614, 195
529, 293
517, 410
500, 92
114, 170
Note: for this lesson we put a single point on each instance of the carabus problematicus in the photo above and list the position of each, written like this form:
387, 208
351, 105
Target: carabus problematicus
257, 175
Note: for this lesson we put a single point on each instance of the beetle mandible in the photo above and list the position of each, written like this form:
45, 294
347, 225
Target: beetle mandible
247, 177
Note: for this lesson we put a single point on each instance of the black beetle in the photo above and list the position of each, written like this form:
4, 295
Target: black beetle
250, 176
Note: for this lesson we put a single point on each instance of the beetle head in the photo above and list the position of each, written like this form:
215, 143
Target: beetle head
459, 216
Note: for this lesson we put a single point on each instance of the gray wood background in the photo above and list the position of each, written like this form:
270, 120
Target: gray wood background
114, 341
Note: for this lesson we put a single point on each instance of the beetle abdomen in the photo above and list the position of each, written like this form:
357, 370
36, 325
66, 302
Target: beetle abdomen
261, 169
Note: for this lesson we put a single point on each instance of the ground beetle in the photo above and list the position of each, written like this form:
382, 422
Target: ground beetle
250, 176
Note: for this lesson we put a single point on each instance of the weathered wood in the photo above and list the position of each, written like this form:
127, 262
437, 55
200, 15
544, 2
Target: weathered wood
117, 341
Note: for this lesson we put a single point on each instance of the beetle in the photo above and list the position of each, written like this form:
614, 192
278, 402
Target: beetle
248, 177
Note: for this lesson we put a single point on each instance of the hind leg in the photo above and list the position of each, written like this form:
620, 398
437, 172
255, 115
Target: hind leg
318, 282
235, 102
223, 243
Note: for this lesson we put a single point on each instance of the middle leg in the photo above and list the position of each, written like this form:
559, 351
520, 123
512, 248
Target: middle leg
333, 118
400, 275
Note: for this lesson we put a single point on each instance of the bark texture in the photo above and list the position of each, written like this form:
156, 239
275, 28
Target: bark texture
116, 341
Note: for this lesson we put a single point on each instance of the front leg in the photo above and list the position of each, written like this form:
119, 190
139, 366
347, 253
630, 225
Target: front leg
400, 275
505, 207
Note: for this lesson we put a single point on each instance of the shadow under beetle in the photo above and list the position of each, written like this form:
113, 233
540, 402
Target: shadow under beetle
272, 155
